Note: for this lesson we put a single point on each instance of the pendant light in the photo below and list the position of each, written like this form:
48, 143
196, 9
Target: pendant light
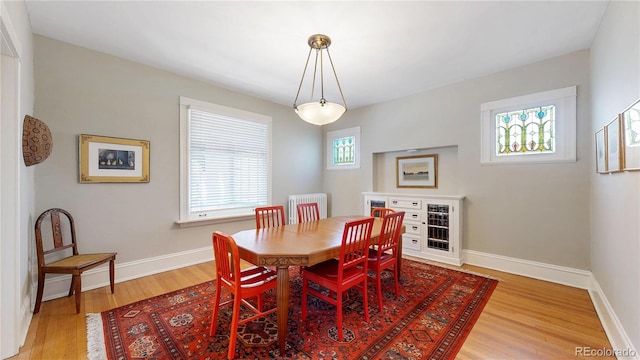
321, 111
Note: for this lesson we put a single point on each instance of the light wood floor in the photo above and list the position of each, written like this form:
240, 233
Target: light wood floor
524, 319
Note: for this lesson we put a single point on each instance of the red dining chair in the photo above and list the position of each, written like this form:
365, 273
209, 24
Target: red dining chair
308, 212
385, 256
339, 275
245, 284
381, 212
269, 216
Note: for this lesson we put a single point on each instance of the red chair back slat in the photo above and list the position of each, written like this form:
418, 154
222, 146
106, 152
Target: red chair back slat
270, 216
390, 232
308, 212
225, 250
356, 239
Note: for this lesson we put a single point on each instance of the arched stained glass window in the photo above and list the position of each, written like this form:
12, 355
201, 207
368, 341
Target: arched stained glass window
344, 152
527, 131
343, 149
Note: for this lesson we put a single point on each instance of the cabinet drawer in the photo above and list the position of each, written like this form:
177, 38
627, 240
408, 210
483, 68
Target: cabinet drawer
411, 242
410, 215
405, 203
412, 227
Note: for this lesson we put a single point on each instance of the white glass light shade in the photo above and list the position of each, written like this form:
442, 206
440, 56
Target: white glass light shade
320, 114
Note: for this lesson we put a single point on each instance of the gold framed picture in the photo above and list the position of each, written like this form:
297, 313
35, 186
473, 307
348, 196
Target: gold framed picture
113, 160
418, 171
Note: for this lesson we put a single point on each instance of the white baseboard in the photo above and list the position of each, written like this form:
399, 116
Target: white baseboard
432, 257
58, 286
621, 345
537, 270
615, 332
25, 319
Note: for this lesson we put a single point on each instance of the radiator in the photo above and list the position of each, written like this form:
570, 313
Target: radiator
294, 200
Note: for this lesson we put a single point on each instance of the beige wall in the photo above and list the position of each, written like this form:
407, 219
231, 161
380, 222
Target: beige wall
615, 207
537, 212
79, 91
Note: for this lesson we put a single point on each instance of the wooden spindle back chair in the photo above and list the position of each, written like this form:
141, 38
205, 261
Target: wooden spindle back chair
62, 250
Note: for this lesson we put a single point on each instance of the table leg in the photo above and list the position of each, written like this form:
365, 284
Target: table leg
283, 306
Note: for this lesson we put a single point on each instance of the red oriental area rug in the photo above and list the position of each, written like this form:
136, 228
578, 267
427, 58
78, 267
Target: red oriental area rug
433, 315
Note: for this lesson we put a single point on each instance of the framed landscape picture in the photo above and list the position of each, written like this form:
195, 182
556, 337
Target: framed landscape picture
418, 171
107, 159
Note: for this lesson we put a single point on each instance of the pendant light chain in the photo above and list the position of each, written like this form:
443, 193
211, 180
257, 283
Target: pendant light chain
337, 82
295, 102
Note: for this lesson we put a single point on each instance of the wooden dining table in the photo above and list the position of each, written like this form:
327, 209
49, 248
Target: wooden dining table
302, 244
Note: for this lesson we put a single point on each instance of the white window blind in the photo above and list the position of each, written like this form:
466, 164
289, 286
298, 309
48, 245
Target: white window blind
227, 163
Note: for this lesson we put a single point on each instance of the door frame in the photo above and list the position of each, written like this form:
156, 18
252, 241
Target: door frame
10, 233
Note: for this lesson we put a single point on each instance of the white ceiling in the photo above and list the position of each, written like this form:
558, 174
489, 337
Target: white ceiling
381, 50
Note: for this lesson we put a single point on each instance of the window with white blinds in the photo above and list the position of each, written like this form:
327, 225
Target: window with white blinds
226, 161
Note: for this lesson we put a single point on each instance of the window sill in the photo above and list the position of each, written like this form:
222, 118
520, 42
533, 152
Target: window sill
212, 221
529, 161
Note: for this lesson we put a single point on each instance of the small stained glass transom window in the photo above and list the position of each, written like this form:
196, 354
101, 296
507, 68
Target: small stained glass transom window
527, 131
344, 152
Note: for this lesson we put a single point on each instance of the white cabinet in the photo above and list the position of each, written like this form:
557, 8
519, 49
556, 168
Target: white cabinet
432, 223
